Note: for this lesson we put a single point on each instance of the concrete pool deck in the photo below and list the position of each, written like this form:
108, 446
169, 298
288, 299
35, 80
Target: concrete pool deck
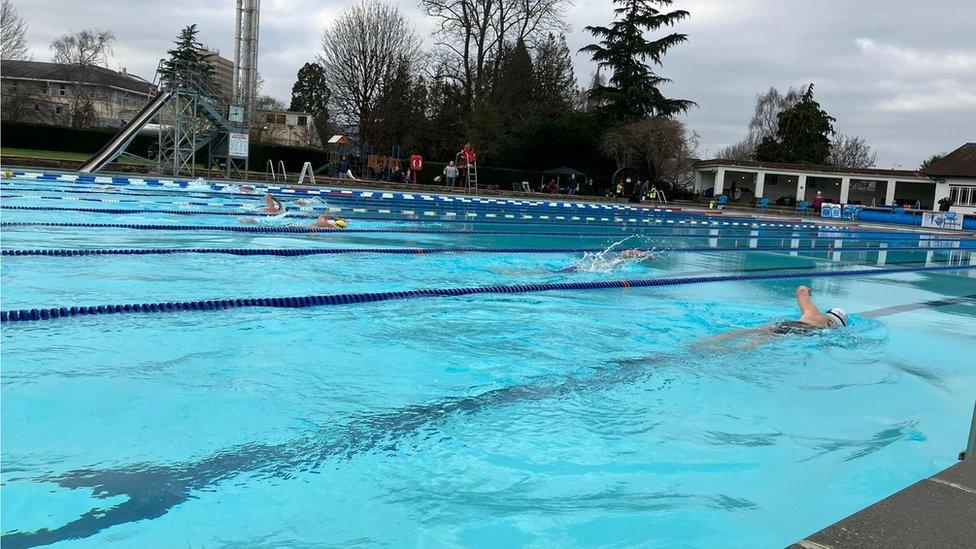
939, 511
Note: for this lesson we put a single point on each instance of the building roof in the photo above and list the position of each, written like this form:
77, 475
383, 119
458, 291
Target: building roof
773, 166
40, 70
959, 163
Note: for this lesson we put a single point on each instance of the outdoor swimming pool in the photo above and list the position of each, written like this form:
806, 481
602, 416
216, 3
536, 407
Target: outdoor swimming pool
566, 417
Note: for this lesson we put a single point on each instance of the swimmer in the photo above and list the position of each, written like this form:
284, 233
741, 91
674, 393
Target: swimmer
323, 221
637, 253
272, 204
811, 322
306, 201
607, 261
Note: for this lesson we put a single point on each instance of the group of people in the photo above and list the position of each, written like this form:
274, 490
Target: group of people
570, 185
466, 160
638, 191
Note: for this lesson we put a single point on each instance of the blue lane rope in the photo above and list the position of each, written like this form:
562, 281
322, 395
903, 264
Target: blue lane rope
297, 252
648, 223
347, 299
625, 231
435, 200
456, 207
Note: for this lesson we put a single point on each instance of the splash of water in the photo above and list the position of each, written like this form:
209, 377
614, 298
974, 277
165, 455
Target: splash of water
609, 260
198, 183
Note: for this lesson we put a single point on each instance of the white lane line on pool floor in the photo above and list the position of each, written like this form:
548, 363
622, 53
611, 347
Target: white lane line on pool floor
895, 309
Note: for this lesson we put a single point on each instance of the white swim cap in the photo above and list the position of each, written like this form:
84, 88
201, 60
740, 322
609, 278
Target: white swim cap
836, 317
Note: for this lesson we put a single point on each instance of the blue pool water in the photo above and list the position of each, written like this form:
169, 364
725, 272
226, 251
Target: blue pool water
562, 418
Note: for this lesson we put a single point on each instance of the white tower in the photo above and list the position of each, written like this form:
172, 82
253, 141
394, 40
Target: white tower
246, 55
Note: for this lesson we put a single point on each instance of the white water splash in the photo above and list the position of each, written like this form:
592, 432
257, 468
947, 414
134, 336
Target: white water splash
609, 260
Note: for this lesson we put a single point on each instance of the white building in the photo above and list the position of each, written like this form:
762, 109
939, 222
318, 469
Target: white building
291, 128
957, 171
746, 181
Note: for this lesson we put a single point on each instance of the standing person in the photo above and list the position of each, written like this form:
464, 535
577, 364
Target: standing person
343, 168
450, 174
468, 154
818, 201
573, 185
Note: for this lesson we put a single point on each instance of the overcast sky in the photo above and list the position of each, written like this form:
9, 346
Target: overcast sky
900, 73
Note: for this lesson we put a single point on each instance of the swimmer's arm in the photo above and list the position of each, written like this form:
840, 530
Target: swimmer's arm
804, 300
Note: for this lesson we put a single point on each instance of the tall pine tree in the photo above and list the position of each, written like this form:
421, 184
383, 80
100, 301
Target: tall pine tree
311, 94
188, 65
555, 84
633, 90
803, 135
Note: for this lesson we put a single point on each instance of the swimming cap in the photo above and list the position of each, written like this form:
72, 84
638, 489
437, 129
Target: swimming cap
341, 223
836, 317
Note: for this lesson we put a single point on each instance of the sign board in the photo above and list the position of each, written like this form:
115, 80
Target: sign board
235, 113
237, 145
942, 220
830, 211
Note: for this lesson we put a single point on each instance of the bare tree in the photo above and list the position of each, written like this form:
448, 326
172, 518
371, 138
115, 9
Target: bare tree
742, 150
849, 151
764, 123
660, 145
364, 48
765, 119
473, 35
13, 30
78, 54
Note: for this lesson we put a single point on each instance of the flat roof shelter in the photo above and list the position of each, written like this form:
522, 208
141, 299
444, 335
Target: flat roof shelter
745, 181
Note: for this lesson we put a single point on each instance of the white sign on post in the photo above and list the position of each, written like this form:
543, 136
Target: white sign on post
238, 145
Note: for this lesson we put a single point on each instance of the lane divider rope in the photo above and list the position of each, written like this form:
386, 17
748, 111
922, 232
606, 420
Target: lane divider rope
411, 198
647, 222
347, 299
296, 252
303, 229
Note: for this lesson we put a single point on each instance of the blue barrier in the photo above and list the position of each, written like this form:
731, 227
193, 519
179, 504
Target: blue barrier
345, 299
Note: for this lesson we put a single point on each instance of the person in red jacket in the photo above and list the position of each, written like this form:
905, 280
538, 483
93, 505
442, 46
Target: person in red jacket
468, 154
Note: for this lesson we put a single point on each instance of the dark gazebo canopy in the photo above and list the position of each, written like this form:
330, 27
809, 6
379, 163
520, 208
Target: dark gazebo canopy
564, 171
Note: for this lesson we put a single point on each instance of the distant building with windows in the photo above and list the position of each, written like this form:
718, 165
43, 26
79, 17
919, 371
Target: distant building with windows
224, 69
291, 128
47, 93
957, 171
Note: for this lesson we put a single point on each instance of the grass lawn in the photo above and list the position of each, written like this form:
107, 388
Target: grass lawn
65, 155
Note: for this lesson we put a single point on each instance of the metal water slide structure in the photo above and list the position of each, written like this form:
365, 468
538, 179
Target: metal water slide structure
117, 145
195, 122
